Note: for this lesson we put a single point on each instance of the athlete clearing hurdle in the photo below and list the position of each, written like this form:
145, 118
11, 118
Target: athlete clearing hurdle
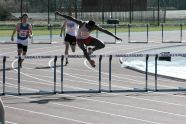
84, 39
24, 30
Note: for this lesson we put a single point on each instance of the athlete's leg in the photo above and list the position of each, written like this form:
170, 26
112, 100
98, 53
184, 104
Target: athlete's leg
19, 49
83, 48
73, 48
23, 55
19, 52
96, 43
66, 51
73, 43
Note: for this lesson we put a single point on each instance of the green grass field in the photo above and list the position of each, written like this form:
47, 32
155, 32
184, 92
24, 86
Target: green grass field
7, 30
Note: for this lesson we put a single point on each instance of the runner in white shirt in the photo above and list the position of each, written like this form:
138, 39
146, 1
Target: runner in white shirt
84, 39
70, 36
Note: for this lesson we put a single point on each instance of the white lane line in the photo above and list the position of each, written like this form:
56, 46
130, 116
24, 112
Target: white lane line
130, 106
7, 48
44, 114
9, 122
119, 75
143, 99
122, 105
89, 81
159, 111
116, 104
152, 47
28, 75
15, 86
125, 78
95, 111
40, 48
106, 113
157, 101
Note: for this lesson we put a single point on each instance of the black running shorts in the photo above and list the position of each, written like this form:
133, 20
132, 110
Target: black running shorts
20, 46
70, 39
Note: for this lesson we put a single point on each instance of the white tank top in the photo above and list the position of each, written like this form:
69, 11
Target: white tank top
83, 32
71, 28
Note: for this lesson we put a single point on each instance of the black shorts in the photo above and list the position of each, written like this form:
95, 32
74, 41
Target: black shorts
20, 46
70, 39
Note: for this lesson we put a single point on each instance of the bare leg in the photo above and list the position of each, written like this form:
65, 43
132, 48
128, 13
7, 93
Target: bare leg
66, 52
83, 48
19, 52
73, 48
22, 58
97, 44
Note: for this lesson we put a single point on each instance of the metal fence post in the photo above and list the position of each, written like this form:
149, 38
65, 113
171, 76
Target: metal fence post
162, 33
156, 58
146, 84
129, 32
19, 77
55, 59
100, 58
62, 59
147, 33
110, 69
115, 31
181, 32
50, 33
4, 61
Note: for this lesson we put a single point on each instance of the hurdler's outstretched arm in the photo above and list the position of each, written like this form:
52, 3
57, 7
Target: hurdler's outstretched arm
107, 32
69, 18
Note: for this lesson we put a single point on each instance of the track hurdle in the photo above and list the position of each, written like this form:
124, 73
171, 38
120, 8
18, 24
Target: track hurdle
128, 55
110, 89
4, 72
37, 39
130, 40
99, 72
174, 79
81, 56
101, 36
171, 40
36, 57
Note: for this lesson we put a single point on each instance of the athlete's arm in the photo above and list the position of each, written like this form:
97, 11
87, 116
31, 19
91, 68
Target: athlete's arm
82, 47
106, 31
62, 28
79, 22
14, 31
30, 34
